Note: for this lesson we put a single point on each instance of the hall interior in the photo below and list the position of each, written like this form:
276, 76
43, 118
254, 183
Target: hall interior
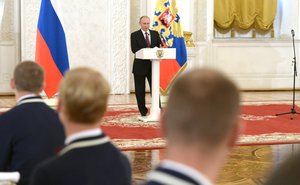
247, 165
256, 62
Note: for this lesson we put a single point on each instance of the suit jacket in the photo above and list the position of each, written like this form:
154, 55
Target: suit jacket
138, 41
29, 133
85, 161
163, 176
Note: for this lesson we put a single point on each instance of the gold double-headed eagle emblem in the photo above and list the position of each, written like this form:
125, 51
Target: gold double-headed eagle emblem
160, 53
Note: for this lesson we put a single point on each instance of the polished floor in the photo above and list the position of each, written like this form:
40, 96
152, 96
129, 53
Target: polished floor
247, 165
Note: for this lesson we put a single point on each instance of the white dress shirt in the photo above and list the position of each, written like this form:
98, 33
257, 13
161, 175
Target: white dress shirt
144, 33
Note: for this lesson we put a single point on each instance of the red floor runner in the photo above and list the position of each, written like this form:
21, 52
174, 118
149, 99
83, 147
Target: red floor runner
262, 119
262, 126
259, 120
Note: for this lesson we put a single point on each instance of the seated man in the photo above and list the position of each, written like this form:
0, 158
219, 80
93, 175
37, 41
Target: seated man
89, 157
287, 172
201, 124
31, 131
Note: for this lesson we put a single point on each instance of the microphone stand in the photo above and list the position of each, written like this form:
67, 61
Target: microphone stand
293, 111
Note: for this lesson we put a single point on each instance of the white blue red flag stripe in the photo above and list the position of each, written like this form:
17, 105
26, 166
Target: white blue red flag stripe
51, 48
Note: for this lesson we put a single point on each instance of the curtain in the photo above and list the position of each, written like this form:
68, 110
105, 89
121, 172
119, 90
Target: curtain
244, 14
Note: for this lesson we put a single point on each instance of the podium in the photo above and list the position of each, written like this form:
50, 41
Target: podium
155, 55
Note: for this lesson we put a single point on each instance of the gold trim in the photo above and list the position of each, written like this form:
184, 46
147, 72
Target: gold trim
188, 39
83, 144
244, 140
37, 100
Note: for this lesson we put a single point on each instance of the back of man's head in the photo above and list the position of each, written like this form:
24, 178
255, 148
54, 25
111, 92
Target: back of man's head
203, 107
28, 77
84, 94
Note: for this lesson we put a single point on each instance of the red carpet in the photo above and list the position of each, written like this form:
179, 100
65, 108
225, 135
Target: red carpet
264, 120
262, 127
116, 126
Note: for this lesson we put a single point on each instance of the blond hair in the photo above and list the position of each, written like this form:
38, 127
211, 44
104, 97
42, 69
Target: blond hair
28, 76
84, 94
203, 106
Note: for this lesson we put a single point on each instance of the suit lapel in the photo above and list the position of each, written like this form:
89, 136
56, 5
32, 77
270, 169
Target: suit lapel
152, 39
141, 35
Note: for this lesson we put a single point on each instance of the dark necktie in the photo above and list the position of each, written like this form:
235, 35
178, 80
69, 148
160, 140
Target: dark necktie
147, 40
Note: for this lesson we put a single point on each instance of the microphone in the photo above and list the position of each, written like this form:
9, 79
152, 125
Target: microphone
162, 37
293, 33
164, 40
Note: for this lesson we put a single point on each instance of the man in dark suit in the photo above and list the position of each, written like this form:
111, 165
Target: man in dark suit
31, 131
287, 172
89, 157
143, 38
201, 124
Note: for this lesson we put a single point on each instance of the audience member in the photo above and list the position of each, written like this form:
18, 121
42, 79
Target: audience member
201, 124
31, 131
89, 157
287, 172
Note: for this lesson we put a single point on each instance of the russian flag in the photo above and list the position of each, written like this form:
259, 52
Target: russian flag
51, 49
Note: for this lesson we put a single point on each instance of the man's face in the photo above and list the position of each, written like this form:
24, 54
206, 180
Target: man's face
145, 23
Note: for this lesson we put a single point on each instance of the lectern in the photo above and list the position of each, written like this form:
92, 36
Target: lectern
155, 55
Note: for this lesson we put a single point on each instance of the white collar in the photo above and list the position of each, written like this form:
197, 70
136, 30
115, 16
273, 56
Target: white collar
26, 96
144, 32
31, 98
186, 170
83, 134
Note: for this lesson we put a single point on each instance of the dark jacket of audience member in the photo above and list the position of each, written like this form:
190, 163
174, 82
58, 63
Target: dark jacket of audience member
286, 173
31, 131
89, 157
